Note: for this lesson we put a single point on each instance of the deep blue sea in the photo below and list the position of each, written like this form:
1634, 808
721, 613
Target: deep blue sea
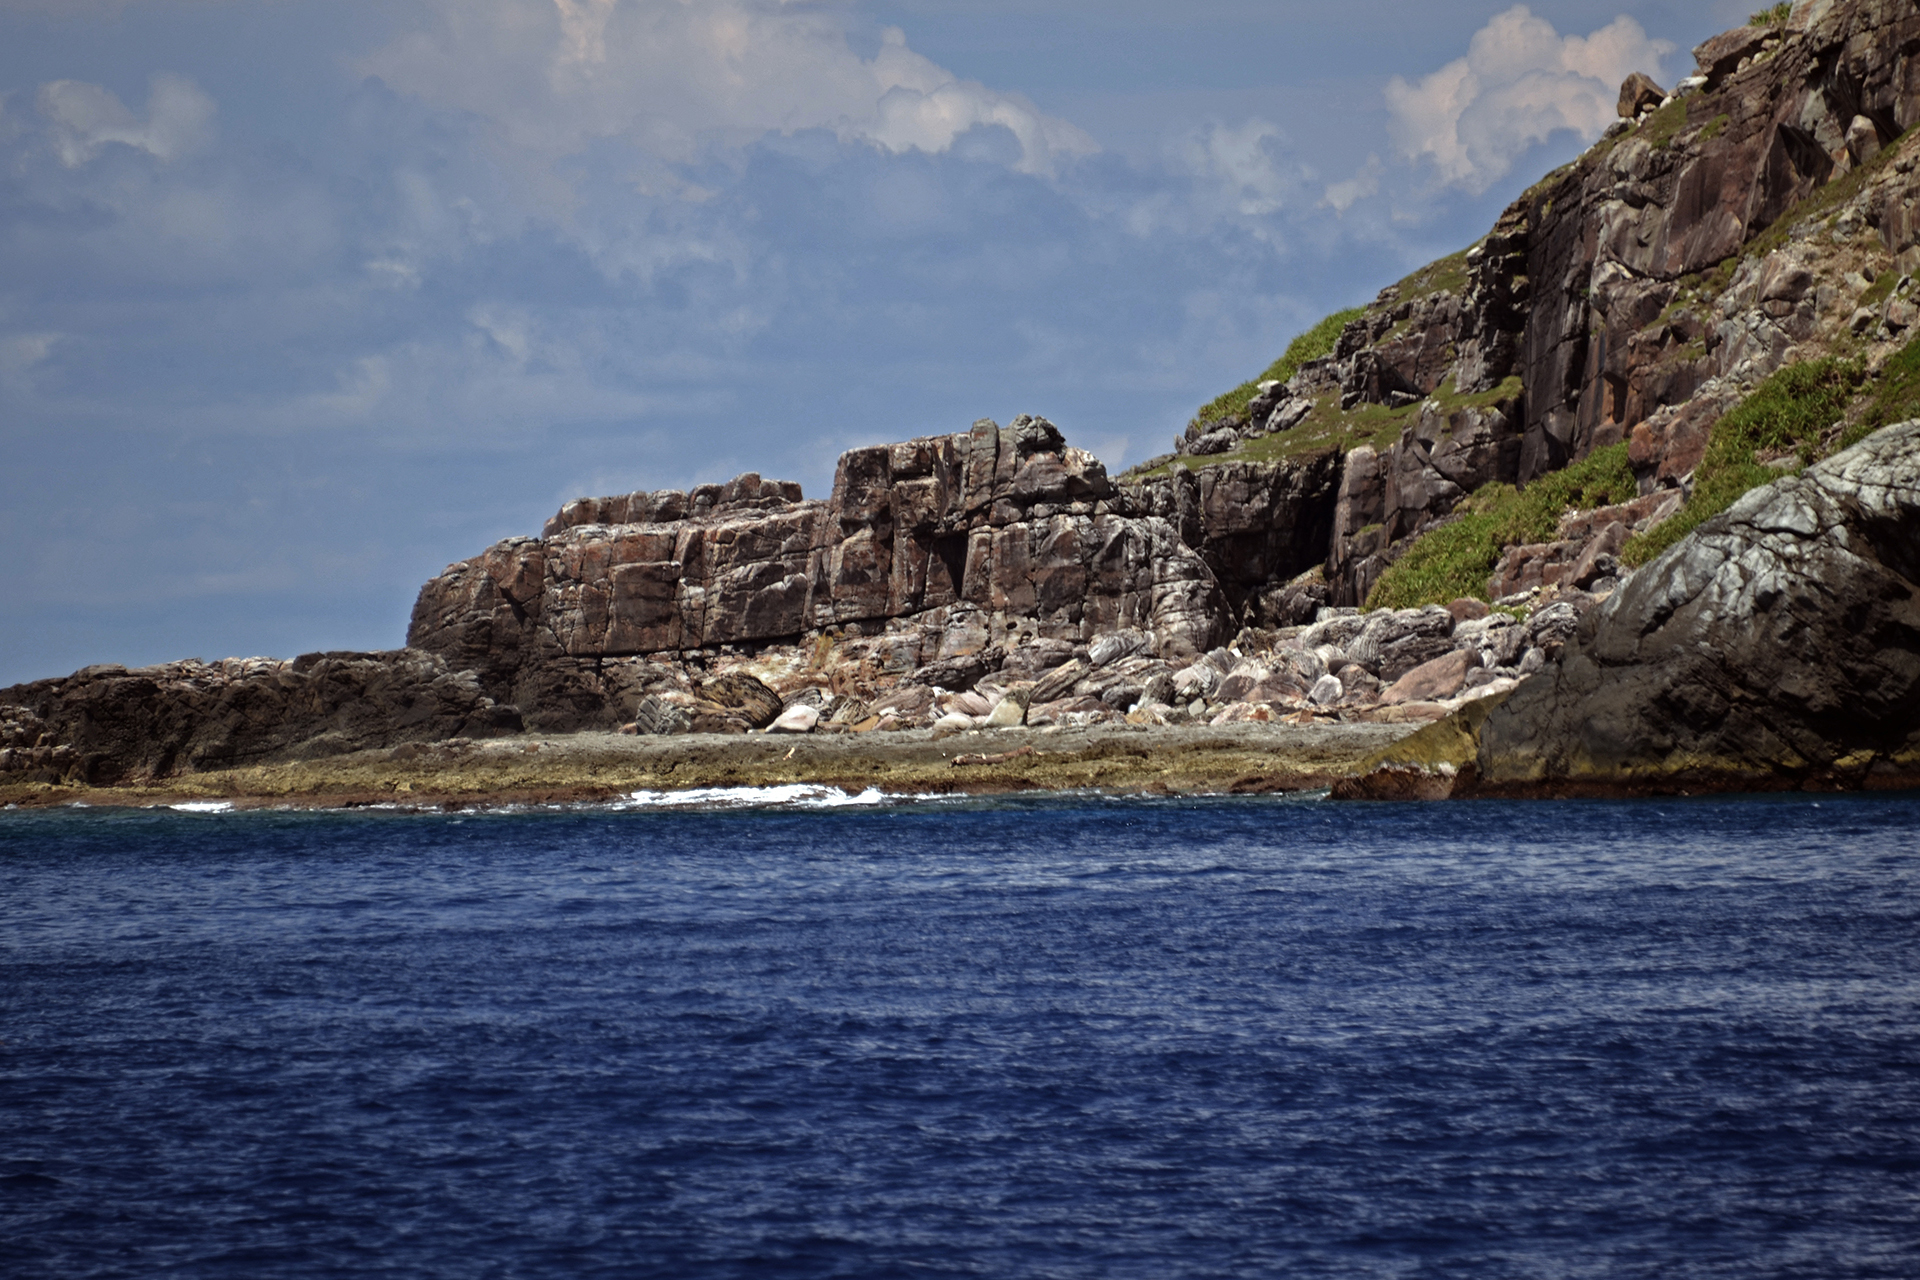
1070, 1037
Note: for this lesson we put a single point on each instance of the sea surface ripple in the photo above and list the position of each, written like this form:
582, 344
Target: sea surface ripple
1071, 1037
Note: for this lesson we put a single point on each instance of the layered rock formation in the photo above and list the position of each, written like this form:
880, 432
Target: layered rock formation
1765, 211
1009, 527
1777, 647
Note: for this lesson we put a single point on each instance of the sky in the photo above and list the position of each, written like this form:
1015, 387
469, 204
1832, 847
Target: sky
301, 300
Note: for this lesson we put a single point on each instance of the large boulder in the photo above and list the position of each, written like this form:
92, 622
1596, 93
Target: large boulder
1776, 647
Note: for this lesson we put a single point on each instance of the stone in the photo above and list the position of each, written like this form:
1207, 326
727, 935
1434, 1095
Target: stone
1439, 677
1719, 56
1115, 645
1212, 442
798, 718
109, 725
944, 533
1863, 139
1006, 714
654, 714
1326, 691
1639, 93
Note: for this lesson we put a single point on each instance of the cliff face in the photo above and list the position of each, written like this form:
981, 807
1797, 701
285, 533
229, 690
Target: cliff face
1633, 295
1007, 525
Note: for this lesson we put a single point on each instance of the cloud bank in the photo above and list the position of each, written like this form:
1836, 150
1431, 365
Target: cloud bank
1520, 83
667, 76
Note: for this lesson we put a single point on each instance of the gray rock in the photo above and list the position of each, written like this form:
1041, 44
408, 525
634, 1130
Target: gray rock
657, 715
1778, 645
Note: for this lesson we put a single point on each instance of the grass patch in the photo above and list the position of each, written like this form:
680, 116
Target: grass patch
1880, 290
1773, 17
1456, 559
1789, 412
1447, 275
1330, 427
1715, 127
1896, 399
1231, 406
1665, 124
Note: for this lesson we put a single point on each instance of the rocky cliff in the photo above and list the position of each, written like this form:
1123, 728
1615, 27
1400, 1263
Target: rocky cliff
1777, 648
1635, 295
962, 542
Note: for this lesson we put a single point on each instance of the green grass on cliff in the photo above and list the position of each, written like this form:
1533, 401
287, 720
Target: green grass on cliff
1773, 17
1786, 417
1231, 406
1456, 559
1329, 427
1896, 397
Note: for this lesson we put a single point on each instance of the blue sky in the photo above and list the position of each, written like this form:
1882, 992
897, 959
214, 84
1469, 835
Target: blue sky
300, 301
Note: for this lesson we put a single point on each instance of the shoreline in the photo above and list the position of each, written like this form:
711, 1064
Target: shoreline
1246, 758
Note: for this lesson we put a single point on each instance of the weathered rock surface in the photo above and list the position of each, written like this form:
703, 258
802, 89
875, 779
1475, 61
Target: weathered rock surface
1253, 523
107, 724
1779, 645
1776, 647
994, 525
1625, 293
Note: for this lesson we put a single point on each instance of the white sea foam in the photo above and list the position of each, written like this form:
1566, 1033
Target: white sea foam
791, 795
203, 806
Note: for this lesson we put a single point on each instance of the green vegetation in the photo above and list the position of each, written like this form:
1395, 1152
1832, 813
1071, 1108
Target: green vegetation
1456, 559
1446, 275
1788, 414
1318, 341
1715, 127
1774, 17
1880, 290
1665, 124
1895, 399
1331, 427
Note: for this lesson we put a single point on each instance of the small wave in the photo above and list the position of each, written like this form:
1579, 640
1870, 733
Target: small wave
791, 795
203, 806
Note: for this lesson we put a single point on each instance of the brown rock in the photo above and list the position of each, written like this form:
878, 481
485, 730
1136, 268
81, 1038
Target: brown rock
1638, 93
1441, 677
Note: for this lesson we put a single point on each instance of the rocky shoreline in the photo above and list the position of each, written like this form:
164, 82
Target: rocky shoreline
583, 768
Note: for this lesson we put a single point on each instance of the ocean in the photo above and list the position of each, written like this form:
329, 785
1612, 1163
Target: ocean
806, 1034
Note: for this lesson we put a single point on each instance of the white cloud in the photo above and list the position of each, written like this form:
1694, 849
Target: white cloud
1342, 196
668, 76
1247, 164
1520, 82
86, 117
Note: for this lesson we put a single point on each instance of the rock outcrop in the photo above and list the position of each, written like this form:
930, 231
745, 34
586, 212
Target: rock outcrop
1776, 647
1634, 295
108, 724
1008, 526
